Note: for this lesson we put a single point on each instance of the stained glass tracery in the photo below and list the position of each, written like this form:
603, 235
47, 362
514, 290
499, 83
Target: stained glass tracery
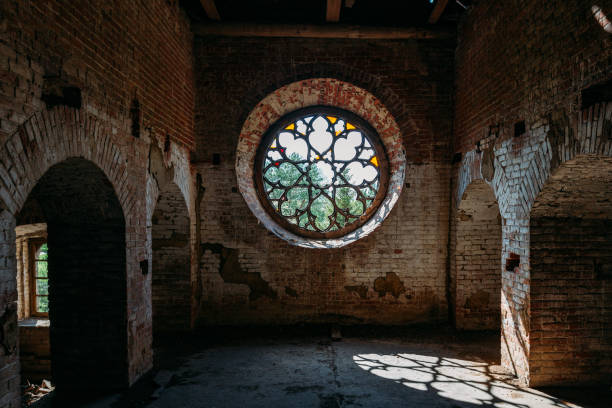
321, 172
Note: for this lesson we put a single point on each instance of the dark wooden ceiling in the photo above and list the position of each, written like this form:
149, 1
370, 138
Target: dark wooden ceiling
398, 13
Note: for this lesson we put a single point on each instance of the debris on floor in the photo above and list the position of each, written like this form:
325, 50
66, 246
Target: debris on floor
336, 335
34, 392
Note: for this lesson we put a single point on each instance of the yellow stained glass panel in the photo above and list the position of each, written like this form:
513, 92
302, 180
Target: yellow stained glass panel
291, 126
374, 161
332, 119
349, 126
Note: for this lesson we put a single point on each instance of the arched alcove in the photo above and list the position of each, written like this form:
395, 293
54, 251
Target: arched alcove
171, 275
86, 272
476, 259
571, 275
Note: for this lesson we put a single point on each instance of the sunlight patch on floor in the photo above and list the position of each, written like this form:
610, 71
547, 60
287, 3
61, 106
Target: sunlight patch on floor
461, 380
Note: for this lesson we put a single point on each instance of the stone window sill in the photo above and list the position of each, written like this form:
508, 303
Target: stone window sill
34, 322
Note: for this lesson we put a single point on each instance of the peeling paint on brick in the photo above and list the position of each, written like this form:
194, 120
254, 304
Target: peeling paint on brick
231, 272
361, 290
391, 284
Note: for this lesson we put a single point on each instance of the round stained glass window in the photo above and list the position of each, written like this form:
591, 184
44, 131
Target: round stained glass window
321, 172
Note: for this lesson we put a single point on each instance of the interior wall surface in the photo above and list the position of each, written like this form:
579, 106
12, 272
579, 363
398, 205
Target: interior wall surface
101, 81
571, 275
520, 70
475, 264
171, 274
396, 275
34, 344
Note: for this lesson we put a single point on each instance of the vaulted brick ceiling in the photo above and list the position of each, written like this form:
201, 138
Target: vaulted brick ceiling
578, 188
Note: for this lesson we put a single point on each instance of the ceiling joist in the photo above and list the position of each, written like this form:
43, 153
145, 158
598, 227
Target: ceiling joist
317, 31
333, 11
436, 13
211, 9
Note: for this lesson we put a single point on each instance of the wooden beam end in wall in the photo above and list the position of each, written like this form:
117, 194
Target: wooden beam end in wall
333, 11
211, 9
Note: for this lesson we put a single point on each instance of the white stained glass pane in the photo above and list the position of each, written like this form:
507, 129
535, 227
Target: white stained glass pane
324, 172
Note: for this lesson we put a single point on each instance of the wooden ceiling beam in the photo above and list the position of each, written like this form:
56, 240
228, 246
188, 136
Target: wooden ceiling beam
317, 31
436, 13
211, 9
333, 11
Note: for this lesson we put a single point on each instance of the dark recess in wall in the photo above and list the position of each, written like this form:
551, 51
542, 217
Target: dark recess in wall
596, 94
71, 97
519, 128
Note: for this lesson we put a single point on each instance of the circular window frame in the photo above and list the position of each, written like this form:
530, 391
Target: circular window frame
315, 92
322, 110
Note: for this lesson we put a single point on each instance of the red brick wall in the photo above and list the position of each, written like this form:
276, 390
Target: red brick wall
115, 53
171, 274
397, 274
112, 51
413, 79
34, 352
571, 305
522, 61
476, 259
571, 275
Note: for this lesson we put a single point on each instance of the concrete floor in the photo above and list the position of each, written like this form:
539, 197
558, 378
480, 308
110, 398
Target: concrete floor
425, 371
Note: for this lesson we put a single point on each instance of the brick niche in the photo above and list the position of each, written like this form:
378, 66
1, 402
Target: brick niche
171, 274
476, 260
571, 275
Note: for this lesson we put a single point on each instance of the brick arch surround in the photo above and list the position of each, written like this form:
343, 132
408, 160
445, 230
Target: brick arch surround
517, 169
45, 139
312, 92
50, 137
402, 113
87, 276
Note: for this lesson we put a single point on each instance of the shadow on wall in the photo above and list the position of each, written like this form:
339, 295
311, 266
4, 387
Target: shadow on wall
171, 264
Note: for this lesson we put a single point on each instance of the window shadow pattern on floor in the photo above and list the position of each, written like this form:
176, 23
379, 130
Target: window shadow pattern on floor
465, 381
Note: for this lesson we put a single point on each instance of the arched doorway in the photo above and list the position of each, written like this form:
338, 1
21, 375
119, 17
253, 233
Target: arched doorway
171, 275
87, 285
476, 260
571, 275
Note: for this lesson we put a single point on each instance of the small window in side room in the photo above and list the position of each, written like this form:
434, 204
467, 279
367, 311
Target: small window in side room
40, 280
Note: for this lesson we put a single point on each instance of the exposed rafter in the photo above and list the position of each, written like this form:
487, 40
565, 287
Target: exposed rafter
437, 11
333, 11
317, 31
211, 9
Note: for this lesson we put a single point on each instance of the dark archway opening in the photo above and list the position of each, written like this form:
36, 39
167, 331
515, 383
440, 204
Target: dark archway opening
171, 269
571, 275
86, 276
476, 264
